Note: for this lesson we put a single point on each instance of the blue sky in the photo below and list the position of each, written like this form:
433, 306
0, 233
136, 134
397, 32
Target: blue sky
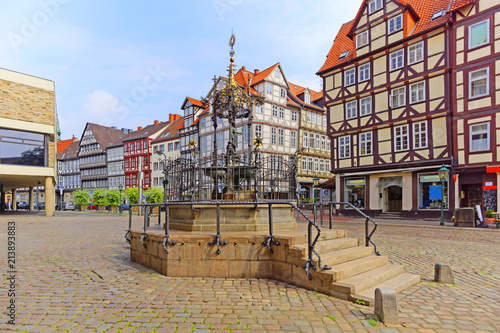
127, 63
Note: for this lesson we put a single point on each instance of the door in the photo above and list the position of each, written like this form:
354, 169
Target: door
473, 195
395, 199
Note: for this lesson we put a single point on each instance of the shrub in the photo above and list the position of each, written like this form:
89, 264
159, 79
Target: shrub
132, 195
82, 198
98, 198
112, 197
489, 213
154, 195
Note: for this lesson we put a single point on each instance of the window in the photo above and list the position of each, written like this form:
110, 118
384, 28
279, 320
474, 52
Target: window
479, 34
258, 109
170, 147
324, 120
281, 136
22, 148
318, 142
395, 24
258, 130
349, 77
269, 88
365, 106
283, 93
246, 134
310, 163
415, 53
155, 181
323, 143
305, 140
396, 59
401, 138
308, 116
430, 192
417, 92
354, 192
344, 54
281, 112
365, 144
203, 144
479, 137
374, 6
397, 97
351, 109
313, 118
318, 119
307, 98
155, 166
321, 165
364, 72
177, 146
220, 140
293, 139
312, 144
345, 147
478, 83
304, 163
275, 110
273, 135
202, 122
420, 135
362, 39
438, 14
316, 164
294, 115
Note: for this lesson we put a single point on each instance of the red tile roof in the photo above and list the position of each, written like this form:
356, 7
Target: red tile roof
171, 132
195, 102
422, 9
262, 75
297, 90
63, 144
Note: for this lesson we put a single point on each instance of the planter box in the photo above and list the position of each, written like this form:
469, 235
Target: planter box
83, 208
113, 208
101, 208
135, 210
489, 220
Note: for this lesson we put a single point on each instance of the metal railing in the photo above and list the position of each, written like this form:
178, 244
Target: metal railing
311, 240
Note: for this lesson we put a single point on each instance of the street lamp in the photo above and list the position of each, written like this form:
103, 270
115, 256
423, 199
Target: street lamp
120, 187
443, 175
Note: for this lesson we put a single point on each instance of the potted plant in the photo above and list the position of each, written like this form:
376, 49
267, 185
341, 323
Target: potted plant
112, 199
82, 199
132, 195
99, 199
489, 216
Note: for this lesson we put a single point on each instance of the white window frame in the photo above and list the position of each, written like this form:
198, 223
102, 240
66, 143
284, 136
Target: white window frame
293, 139
275, 110
396, 92
307, 98
417, 92
283, 93
400, 138
351, 109
312, 143
325, 121
482, 77
281, 137
281, 112
259, 109
394, 21
364, 72
365, 106
420, 135
273, 135
417, 51
305, 140
488, 37
362, 39
313, 118
269, 88
486, 131
294, 115
365, 141
258, 130
397, 56
377, 5
202, 122
323, 143
345, 146
308, 116
304, 163
349, 77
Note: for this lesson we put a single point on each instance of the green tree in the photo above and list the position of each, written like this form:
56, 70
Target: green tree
154, 195
82, 198
112, 198
132, 195
98, 198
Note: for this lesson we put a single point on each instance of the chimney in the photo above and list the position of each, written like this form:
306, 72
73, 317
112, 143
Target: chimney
173, 117
156, 122
243, 68
139, 128
256, 71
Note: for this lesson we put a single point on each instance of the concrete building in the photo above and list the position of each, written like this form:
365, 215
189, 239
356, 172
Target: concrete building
28, 136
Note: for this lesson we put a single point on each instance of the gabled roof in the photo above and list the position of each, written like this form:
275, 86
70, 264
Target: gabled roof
422, 9
104, 135
193, 101
296, 91
146, 132
70, 152
264, 74
63, 144
171, 131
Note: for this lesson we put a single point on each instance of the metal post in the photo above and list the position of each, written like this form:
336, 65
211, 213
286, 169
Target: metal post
130, 218
442, 203
314, 213
331, 215
159, 215
167, 219
146, 220
367, 233
321, 213
271, 232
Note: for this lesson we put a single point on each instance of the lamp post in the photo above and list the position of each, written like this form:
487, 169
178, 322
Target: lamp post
120, 187
443, 175
315, 184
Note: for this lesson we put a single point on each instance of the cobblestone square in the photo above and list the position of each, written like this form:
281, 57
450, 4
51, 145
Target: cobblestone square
74, 274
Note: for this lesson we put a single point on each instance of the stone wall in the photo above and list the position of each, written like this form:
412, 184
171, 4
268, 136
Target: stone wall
26, 103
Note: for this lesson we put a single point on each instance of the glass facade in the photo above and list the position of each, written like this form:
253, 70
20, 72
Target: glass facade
22, 148
430, 194
354, 192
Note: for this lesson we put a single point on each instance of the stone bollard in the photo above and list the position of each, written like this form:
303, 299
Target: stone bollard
443, 273
386, 306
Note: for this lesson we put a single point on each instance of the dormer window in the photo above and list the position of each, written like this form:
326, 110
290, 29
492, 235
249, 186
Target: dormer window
374, 5
307, 98
438, 14
344, 54
362, 39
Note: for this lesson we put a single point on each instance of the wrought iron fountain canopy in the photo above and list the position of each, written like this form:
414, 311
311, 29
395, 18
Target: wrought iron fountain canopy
229, 176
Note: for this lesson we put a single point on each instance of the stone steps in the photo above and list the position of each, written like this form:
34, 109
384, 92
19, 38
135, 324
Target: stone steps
323, 247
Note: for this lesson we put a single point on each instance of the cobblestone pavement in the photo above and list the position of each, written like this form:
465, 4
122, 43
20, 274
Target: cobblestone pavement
74, 274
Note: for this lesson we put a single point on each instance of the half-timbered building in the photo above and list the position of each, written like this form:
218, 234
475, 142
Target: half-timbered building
386, 83
475, 45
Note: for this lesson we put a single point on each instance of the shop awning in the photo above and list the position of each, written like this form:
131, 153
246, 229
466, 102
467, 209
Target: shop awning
330, 184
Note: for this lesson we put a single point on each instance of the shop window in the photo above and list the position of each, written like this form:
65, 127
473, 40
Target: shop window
354, 192
430, 192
